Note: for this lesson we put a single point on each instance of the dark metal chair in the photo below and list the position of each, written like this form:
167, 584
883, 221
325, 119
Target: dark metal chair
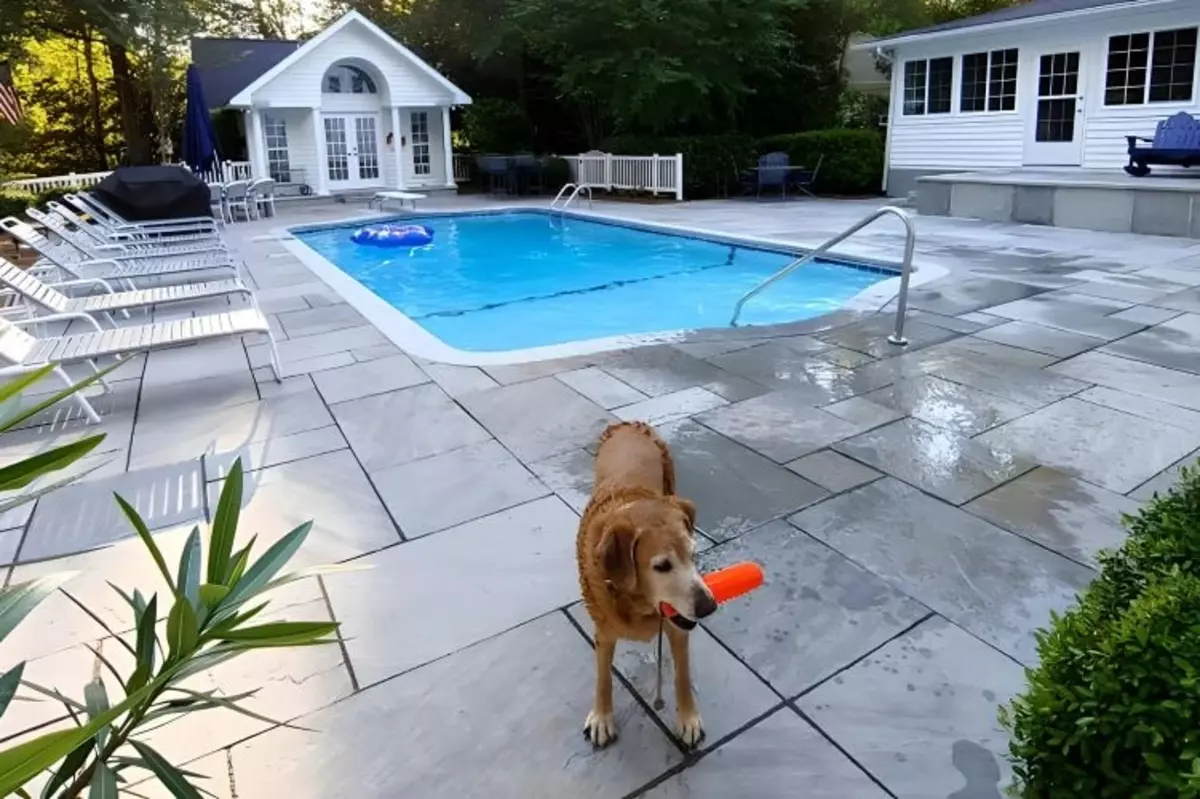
803, 180
771, 173
494, 169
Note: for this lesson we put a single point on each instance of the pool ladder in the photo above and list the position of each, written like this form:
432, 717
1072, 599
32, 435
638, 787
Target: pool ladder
577, 188
910, 241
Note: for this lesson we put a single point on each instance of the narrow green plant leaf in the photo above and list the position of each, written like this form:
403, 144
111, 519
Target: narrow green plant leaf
240, 560
103, 784
66, 770
302, 631
231, 703
147, 539
139, 605
20, 763
96, 700
16, 601
20, 474
315, 571
105, 626
146, 641
18, 384
236, 620
25, 497
12, 421
171, 778
136, 762
182, 629
8, 685
266, 567
188, 580
106, 662
224, 526
53, 694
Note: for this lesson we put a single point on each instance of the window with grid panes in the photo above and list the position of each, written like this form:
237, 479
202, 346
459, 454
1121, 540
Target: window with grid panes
989, 81
1157, 67
275, 134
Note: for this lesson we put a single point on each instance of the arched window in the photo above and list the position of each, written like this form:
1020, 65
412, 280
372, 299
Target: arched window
345, 79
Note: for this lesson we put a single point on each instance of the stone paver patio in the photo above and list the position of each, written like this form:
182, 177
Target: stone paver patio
919, 513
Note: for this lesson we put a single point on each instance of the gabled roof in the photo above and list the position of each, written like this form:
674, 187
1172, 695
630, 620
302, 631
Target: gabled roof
227, 66
1029, 12
242, 98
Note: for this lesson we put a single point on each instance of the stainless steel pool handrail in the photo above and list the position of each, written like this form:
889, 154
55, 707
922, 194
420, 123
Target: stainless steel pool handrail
910, 241
577, 189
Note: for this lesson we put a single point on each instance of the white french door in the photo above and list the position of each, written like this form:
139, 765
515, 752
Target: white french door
419, 153
352, 150
1055, 134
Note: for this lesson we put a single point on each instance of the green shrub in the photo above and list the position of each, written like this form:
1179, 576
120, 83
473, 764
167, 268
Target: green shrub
852, 163
710, 163
1113, 708
13, 202
493, 125
555, 173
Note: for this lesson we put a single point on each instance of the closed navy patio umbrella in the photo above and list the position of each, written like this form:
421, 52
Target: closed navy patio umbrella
199, 141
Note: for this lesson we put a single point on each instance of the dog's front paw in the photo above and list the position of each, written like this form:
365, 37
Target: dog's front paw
690, 729
600, 729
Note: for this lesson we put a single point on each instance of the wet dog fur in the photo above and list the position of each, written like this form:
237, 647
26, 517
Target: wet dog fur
635, 551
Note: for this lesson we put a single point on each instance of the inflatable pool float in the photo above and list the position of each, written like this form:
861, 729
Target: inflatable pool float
394, 235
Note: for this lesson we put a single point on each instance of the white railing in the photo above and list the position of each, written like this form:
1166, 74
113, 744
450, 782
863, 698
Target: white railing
69, 181
220, 173
462, 168
657, 174
226, 171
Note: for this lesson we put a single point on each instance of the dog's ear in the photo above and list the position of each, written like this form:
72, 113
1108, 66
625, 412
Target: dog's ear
618, 554
689, 510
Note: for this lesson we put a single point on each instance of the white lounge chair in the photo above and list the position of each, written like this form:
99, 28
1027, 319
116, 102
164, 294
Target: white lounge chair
150, 249
167, 231
21, 352
97, 208
100, 237
48, 297
69, 259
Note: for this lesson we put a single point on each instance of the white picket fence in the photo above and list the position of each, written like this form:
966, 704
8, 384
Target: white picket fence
220, 173
657, 174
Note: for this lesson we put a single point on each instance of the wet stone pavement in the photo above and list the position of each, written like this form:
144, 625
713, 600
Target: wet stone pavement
919, 511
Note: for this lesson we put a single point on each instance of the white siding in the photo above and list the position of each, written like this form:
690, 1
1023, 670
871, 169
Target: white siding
300, 84
998, 140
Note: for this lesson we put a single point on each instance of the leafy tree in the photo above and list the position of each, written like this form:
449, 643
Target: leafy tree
653, 64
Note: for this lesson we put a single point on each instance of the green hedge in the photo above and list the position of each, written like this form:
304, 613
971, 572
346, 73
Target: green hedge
853, 158
13, 202
710, 163
1113, 709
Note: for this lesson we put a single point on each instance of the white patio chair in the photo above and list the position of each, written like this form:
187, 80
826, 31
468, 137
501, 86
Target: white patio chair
21, 353
136, 248
96, 208
263, 192
69, 259
50, 299
216, 201
237, 198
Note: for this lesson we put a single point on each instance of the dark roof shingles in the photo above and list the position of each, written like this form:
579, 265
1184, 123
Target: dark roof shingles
227, 66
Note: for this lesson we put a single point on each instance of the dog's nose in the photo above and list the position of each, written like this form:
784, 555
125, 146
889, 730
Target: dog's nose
704, 603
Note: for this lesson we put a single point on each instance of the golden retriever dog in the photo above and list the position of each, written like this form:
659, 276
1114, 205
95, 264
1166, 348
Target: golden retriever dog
634, 551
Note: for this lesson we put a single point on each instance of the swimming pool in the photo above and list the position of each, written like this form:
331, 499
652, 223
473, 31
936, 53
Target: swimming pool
519, 280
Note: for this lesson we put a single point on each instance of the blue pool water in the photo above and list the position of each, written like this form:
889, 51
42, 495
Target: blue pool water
493, 282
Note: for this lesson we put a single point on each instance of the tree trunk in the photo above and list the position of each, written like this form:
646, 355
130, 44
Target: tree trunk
137, 145
97, 119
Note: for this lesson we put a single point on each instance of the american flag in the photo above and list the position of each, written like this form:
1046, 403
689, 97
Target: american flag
10, 105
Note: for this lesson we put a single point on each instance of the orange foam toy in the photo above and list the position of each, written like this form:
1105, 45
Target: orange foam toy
729, 583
